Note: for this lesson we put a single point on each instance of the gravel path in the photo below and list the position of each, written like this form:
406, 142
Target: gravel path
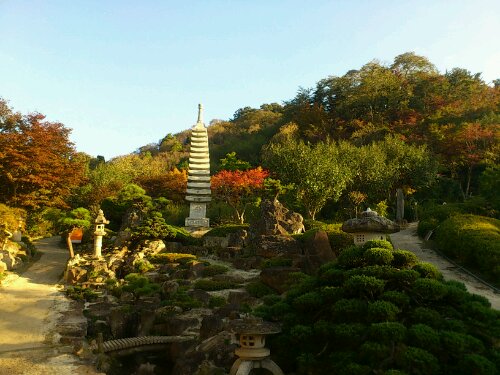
30, 308
407, 239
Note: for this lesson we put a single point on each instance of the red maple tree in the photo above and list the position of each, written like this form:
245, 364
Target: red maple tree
238, 188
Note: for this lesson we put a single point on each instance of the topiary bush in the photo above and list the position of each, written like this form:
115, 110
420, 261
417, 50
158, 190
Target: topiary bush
377, 256
353, 317
383, 244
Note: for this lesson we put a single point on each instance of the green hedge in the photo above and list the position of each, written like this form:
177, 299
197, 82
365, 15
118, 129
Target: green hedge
473, 241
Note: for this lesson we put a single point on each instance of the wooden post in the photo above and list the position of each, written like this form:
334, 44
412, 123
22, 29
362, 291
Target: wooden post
70, 246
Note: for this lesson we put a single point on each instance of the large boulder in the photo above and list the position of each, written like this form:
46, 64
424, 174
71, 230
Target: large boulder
276, 246
318, 251
276, 219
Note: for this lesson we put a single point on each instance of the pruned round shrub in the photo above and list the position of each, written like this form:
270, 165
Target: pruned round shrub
401, 300
387, 332
423, 336
363, 286
380, 272
429, 290
428, 270
382, 311
348, 334
349, 310
351, 257
308, 301
475, 364
216, 301
404, 279
419, 361
379, 244
404, 259
427, 316
373, 351
457, 344
378, 256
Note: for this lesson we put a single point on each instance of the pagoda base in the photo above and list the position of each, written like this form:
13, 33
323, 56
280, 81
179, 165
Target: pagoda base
197, 222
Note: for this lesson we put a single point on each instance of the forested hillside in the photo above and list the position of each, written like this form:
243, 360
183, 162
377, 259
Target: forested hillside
349, 141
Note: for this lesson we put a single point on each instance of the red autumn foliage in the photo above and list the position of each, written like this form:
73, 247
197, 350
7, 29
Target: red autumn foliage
38, 164
237, 188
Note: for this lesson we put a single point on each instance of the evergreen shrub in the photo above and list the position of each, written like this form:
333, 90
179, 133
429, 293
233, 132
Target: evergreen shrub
473, 241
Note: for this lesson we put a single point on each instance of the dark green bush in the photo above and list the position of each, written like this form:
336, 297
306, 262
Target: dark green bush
428, 270
404, 259
351, 257
276, 262
423, 336
258, 289
216, 301
427, 316
378, 244
428, 290
362, 286
419, 361
139, 285
349, 310
308, 301
348, 334
378, 256
382, 311
400, 299
374, 351
476, 364
387, 332
212, 285
214, 269
473, 241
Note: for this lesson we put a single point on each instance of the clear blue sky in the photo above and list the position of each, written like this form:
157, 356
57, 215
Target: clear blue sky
123, 74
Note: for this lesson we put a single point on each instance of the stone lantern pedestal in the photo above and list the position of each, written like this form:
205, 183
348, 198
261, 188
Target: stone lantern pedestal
252, 352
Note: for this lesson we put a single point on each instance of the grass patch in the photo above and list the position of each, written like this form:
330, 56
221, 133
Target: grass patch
214, 269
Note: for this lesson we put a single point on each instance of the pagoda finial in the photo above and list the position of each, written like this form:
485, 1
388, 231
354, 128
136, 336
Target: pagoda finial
200, 113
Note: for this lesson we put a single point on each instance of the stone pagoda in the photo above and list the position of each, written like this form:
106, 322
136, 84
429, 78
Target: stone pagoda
198, 186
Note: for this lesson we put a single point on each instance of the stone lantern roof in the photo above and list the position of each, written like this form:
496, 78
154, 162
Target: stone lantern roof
370, 222
100, 219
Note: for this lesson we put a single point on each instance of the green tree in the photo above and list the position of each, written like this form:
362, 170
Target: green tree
318, 172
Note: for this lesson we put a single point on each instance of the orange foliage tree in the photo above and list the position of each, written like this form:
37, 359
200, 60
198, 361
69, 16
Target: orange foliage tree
239, 188
171, 185
38, 164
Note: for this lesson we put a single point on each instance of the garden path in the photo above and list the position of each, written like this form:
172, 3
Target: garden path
407, 239
30, 307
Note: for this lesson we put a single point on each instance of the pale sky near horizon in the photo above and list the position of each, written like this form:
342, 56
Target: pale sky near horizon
123, 74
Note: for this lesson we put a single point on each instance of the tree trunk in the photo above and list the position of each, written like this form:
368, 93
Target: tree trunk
469, 177
70, 246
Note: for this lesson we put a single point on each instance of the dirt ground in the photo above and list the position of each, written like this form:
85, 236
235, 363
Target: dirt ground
30, 308
407, 239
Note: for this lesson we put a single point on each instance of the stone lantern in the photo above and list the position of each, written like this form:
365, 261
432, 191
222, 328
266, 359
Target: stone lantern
370, 226
100, 221
252, 352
